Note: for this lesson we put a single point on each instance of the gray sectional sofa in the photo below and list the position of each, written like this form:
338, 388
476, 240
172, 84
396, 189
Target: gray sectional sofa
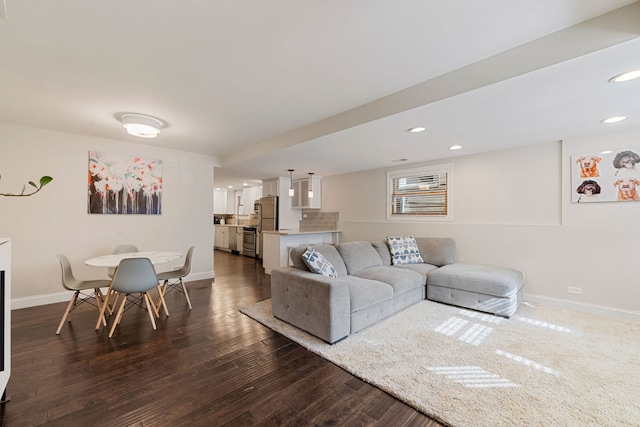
368, 287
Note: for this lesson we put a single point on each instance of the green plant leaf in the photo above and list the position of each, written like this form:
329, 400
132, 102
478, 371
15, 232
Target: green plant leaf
45, 180
33, 184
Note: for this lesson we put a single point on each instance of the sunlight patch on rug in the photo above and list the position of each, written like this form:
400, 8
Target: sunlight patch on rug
543, 324
472, 376
527, 362
546, 366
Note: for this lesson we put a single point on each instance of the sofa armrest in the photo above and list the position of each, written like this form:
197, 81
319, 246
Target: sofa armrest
312, 302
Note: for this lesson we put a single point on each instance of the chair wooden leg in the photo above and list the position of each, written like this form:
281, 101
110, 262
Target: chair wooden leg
150, 304
67, 311
101, 315
113, 297
161, 301
186, 294
99, 297
116, 320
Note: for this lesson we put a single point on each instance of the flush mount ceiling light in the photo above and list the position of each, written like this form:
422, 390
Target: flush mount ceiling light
625, 77
417, 129
141, 125
455, 147
615, 119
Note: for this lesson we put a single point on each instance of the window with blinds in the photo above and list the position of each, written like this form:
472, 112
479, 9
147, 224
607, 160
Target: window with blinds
422, 193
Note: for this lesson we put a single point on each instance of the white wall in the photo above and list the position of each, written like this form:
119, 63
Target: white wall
512, 208
56, 219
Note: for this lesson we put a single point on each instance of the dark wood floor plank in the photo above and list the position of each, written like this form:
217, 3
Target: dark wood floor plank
210, 366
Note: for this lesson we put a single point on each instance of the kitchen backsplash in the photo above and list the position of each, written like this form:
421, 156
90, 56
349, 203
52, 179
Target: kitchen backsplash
315, 220
231, 219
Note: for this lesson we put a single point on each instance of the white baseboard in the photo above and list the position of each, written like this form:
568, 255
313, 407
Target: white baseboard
590, 308
65, 296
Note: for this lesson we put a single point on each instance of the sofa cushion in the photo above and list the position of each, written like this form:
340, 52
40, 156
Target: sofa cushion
423, 268
364, 293
404, 250
437, 251
317, 263
383, 251
328, 251
358, 255
401, 280
481, 279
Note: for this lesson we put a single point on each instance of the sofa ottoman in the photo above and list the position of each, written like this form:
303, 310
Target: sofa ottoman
492, 290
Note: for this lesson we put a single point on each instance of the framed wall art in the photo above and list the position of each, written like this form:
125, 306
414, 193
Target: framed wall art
121, 184
608, 176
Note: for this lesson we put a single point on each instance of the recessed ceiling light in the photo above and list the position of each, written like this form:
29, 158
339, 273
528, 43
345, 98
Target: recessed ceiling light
606, 152
244, 184
625, 77
230, 186
615, 119
417, 129
455, 147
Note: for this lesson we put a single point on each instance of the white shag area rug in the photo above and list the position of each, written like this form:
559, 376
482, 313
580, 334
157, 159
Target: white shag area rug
545, 366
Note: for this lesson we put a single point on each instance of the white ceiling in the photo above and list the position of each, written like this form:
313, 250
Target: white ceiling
322, 86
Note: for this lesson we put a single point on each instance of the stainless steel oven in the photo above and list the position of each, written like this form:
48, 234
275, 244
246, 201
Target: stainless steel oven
249, 241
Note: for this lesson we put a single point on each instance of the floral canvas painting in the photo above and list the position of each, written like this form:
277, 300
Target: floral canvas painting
124, 185
607, 176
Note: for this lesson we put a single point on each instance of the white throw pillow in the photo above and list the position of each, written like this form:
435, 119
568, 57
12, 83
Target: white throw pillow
318, 263
404, 250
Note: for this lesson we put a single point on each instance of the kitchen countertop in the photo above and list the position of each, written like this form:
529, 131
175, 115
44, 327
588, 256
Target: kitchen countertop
295, 232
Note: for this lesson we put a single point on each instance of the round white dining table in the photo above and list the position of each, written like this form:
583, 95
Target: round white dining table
113, 260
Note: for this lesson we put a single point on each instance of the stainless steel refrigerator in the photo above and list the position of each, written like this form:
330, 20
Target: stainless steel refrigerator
267, 208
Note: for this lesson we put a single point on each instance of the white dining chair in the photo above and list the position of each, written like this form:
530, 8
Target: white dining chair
172, 280
133, 278
94, 297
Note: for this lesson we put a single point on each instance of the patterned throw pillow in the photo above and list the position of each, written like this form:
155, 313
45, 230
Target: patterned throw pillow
318, 263
404, 250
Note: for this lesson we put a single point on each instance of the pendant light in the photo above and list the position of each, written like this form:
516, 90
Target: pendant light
291, 192
311, 185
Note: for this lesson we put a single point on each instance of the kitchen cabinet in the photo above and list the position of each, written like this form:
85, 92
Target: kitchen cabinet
270, 188
301, 199
222, 237
250, 195
220, 201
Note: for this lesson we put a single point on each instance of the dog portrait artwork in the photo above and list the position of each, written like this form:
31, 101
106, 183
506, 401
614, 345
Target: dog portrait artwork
588, 191
627, 189
605, 175
589, 166
625, 163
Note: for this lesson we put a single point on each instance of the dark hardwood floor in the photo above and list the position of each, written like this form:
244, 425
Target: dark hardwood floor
210, 366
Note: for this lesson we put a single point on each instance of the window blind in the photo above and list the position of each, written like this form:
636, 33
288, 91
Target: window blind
420, 194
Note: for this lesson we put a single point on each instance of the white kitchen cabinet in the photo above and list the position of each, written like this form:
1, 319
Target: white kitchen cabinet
270, 188
231, 202
250, 196
219, 201
222, 237
301, 199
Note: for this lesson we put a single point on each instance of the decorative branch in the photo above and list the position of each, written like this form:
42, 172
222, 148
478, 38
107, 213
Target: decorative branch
43, 181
